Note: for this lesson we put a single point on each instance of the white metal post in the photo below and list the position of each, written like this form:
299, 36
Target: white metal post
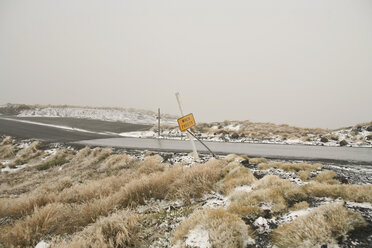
196, 156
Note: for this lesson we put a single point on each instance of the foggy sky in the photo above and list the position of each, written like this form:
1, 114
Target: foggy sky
305, 63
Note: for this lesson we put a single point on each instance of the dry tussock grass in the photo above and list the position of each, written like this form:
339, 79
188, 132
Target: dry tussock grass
246, 212
43, 221
93, 189
290, 167
235, 175
81, 155
322, 226
116, 162
27, 154
61, 157
272, 190
117, 230
7, 148
304, 175
196, 180
173, 183
259, 130
299, 206
21, 206
224, 229
151, 164
348, 192
257, 160
327, 176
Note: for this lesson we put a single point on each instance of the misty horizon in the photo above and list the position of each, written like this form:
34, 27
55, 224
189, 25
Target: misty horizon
301, 63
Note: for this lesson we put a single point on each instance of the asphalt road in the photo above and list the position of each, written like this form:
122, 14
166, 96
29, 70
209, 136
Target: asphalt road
53, 134
301, 152
27, 131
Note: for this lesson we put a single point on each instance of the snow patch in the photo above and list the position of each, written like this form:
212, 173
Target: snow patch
262, 225
198, 237
42, 244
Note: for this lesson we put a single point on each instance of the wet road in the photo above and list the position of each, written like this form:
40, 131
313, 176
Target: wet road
302, 152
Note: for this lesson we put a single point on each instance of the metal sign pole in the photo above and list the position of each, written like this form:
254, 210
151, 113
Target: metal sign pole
159, 123
196, 156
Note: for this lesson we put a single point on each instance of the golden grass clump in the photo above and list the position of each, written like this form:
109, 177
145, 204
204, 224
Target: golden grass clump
299, 206
173, 183
272, 190
304, 175
55, 219
290, 167
224, 229
322, 226
81, 155
234, 158
7, 148
97, 155
93, 189
237, 175
246, 212
348, 192
196, 180
257, 160
117, 230
151, 164
116, 162
28, 153
25, 204
43, 221
61, 157
327, 176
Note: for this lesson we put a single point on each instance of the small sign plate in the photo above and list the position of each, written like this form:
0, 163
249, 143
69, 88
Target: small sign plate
186, 122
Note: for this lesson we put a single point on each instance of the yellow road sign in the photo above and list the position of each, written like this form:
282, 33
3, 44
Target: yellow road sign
186, 122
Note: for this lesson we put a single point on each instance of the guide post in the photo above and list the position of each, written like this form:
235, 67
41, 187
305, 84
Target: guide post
196, 156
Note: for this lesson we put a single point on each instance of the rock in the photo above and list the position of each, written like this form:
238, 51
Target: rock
357, 129
242, 135
261, 225
369, 128
245, 162
324, 140
343, 143
234, 136
369, 137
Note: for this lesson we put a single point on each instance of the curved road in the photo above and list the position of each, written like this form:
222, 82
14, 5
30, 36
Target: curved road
19, 128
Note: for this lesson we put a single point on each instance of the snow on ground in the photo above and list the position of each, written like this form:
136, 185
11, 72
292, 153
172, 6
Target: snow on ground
42, 244
198, 237
175, 134
105, 114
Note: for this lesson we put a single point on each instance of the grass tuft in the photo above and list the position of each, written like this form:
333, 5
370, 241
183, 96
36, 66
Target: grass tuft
321, 227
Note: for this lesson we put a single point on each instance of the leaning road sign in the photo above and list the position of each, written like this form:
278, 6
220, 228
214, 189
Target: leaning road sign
186, 122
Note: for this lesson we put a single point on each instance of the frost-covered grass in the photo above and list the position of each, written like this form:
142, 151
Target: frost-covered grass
103, 197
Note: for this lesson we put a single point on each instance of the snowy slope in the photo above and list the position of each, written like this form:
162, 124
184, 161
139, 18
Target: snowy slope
106, 114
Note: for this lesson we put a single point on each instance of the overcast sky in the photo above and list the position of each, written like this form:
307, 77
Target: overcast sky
305, 63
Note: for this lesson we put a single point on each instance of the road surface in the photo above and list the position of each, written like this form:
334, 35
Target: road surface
47, 133
303, 152
53, 134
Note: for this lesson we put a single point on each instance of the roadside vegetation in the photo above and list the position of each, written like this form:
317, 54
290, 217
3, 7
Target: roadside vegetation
98, 197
